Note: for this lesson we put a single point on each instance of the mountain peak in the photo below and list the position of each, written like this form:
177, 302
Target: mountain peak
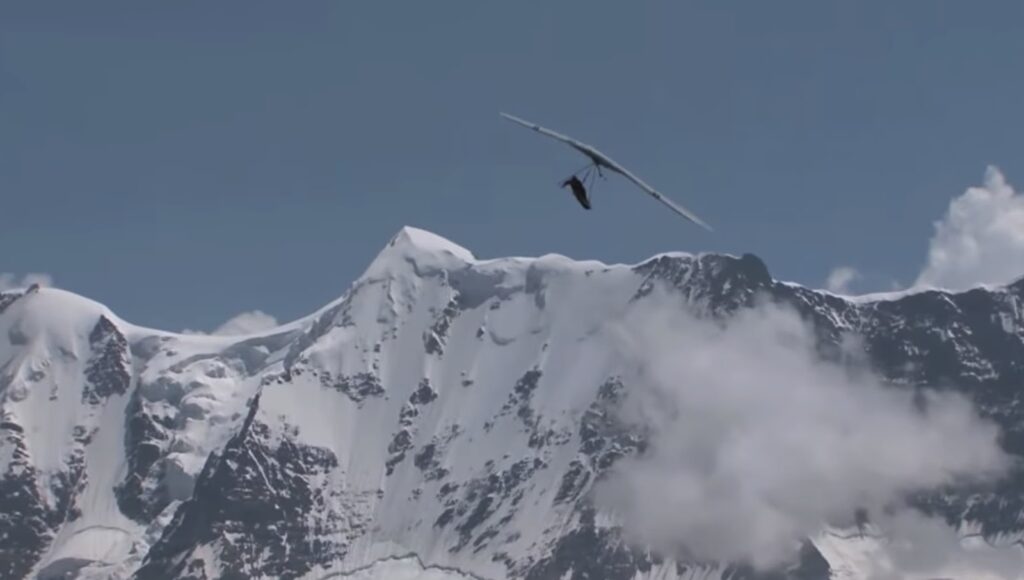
52, 311
419, 249
410, 238
446, 407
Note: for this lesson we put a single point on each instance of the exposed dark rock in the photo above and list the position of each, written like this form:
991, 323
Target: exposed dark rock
25, 520
256, 504
356, 387
400, 443
423, 394
6, 299
519, 398
108, 371
140, 495
592, 553
434, 340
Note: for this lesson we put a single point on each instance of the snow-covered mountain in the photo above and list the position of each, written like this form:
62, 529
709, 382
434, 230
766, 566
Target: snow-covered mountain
445, 418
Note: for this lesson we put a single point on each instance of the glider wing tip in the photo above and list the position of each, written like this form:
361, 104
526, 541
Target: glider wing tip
703, 225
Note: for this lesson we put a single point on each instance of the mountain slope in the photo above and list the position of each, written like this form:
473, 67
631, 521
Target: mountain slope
447, 408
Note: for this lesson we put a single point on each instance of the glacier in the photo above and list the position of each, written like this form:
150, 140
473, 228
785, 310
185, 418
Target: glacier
444, 418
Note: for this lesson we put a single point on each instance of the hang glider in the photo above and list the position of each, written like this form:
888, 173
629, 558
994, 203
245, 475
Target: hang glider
599, 160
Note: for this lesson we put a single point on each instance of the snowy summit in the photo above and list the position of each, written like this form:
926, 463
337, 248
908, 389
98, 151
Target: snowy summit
446, 417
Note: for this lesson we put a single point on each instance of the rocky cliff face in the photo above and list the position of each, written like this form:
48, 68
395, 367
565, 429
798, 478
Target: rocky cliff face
447, 411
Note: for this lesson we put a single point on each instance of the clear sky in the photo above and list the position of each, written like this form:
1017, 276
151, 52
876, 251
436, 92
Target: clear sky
185, 161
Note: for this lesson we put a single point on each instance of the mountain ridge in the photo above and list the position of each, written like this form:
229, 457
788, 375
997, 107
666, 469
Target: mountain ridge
197, 430
413, 242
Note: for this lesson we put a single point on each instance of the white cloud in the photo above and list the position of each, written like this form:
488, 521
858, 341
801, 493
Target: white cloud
247, 323
244, 323
9, 281
839, 279
929, 548
756, 443
980, 240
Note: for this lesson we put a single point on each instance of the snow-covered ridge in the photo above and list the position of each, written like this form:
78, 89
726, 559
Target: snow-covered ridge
104, 468
444, 406
410, 250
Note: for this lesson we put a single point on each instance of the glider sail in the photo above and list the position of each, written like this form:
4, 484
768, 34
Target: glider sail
601, 160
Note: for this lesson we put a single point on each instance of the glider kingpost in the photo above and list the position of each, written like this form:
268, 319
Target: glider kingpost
599, 160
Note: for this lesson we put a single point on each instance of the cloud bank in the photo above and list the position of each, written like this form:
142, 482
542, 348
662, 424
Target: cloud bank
980, 240
924, 547
756, 444
9, 281
244, 323
247, 323
840, 278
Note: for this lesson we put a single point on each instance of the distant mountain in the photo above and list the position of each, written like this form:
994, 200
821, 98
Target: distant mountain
445, 416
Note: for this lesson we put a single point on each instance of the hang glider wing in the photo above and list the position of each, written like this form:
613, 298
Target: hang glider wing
596, 156
661, 197
601, 160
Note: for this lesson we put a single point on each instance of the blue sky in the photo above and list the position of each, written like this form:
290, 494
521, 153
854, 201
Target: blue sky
183, 162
